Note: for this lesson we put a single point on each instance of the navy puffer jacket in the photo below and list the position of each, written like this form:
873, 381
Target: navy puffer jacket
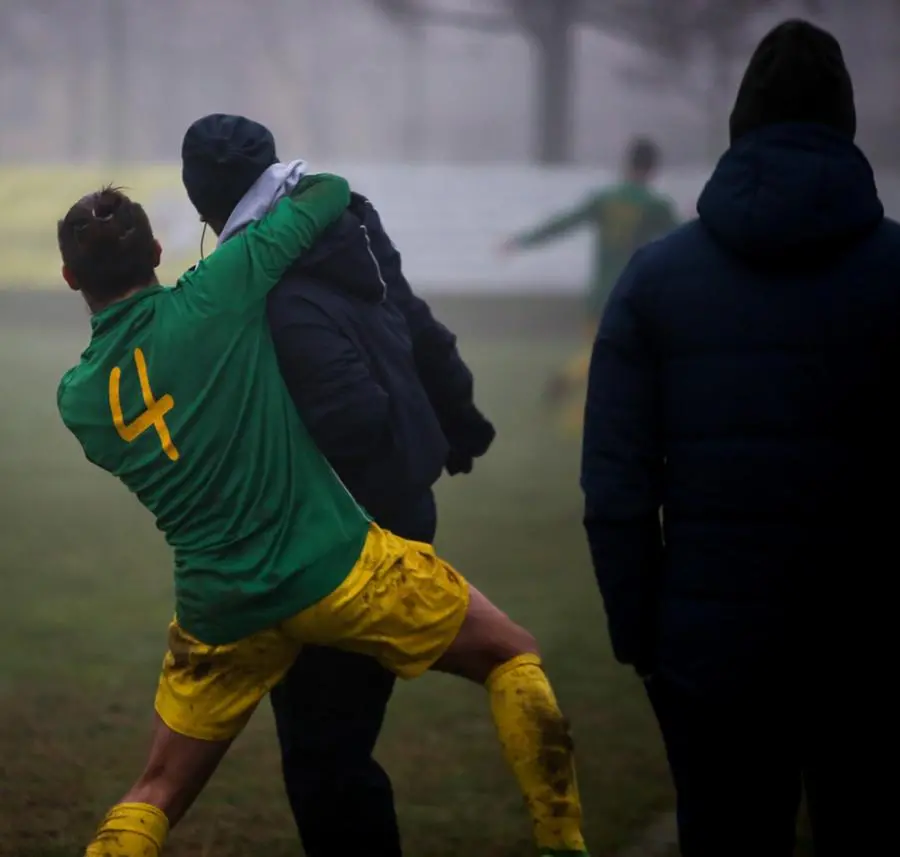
744, 379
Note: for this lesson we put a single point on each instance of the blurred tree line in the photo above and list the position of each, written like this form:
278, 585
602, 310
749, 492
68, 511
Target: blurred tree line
675, 36
120, 79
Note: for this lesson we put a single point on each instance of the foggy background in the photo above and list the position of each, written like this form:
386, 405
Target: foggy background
436, 81
464, 121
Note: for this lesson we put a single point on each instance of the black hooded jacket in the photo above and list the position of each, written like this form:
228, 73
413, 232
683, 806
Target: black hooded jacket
378, 382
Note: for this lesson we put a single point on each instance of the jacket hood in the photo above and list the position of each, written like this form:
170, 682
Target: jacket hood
276, 181
343, 257
790, 193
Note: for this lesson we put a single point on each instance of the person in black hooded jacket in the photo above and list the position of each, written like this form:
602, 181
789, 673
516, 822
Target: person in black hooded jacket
743, 381
383, 391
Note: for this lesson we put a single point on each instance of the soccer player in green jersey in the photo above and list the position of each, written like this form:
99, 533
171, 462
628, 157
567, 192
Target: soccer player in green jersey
623, 218
179, 396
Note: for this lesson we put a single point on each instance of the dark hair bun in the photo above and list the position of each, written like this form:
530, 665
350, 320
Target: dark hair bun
107, 203
107, 219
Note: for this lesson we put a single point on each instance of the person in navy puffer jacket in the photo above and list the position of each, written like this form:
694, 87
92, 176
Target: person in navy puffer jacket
743, 383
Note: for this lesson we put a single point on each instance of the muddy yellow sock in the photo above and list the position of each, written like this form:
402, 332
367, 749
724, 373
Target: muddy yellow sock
538, 747
131, 830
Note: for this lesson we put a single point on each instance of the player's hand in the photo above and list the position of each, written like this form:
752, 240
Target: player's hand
458, 462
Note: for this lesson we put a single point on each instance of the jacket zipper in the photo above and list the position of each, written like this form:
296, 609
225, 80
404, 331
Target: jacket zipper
374, 262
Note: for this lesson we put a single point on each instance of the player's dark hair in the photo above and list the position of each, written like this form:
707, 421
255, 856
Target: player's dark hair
643, 155
107, 244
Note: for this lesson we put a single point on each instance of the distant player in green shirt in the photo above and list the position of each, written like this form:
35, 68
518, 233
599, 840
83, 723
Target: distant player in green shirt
179, 396
623, 218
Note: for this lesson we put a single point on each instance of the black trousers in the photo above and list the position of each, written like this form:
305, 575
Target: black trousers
740, 765
329, 710
328, 713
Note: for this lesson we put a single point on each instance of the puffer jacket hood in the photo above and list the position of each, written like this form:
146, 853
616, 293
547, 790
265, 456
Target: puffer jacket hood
789, 193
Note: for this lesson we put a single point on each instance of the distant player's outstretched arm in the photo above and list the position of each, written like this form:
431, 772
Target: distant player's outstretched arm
560, 224
247, 267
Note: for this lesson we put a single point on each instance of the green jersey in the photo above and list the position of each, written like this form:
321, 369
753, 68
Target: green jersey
624, 218
179, 395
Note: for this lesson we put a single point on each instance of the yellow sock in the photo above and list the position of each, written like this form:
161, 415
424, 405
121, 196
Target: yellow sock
131, 830
538, 747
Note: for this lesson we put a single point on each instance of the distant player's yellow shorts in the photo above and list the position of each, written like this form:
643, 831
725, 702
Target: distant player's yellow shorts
400, 604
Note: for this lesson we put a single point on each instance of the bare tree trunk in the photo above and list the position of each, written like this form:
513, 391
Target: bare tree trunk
552, 34
314, 47
165, 131
115, 16
78, 91
719, 93
415, 103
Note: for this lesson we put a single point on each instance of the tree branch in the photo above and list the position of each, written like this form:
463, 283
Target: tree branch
670, 30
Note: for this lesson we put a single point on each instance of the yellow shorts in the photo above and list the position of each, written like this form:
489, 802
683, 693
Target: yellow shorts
400, 604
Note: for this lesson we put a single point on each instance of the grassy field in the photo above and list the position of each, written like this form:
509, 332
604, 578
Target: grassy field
87, 593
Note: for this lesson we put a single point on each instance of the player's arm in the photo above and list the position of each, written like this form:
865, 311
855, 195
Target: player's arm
342, 406
446, 378
621, 471
560, 224
241, 272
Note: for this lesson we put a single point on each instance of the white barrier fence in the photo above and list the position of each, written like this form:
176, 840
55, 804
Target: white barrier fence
448, 221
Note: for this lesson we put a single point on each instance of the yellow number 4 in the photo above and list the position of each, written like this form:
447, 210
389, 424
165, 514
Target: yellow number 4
153, 417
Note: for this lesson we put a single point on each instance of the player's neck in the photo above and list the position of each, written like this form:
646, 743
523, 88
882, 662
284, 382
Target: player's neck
96, 305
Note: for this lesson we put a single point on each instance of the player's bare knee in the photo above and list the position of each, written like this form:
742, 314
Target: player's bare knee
503, 644
487, 639
517, 641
